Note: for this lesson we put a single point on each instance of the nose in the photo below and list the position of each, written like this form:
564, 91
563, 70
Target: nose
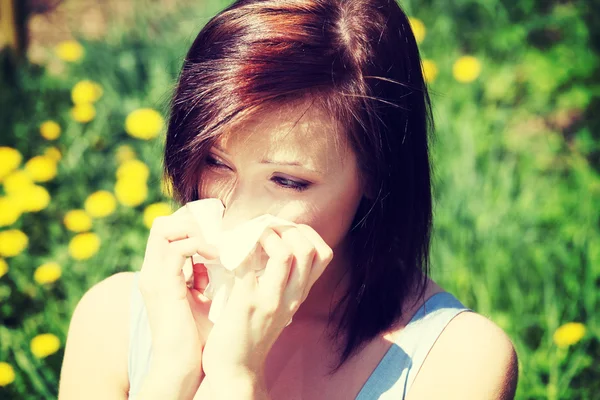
236, 213
242, 203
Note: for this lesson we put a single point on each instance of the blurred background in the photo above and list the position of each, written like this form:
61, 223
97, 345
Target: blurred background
515, 87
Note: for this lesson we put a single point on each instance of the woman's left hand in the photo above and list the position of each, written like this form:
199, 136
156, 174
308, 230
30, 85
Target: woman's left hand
257, 312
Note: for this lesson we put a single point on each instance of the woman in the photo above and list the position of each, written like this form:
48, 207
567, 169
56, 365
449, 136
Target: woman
314, 111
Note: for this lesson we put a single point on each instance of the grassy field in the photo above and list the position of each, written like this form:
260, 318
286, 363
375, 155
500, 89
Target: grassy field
517, 238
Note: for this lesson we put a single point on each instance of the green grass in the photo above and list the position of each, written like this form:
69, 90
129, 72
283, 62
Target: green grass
516, 161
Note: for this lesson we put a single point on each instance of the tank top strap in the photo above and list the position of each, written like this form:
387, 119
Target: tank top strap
140, 340
394, 375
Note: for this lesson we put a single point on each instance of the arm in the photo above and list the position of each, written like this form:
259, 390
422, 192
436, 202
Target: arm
158, 386
472, 359
95, 359
243, 386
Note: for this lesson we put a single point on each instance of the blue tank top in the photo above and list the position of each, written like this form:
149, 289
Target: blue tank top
391, 379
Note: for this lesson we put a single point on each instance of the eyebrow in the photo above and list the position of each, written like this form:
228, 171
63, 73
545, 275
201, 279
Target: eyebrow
278, 162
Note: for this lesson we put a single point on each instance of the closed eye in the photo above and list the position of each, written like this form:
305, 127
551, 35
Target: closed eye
278, 180
290, 184
214, 163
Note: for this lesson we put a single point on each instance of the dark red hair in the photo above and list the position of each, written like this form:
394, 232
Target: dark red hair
357, 59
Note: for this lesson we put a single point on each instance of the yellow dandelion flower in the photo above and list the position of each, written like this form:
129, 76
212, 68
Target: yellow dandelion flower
84, 112
418, 28
133, 170
131, 192
32, 198
50, 130
70, 51
3, 269
10, 159
53, 153
17, 181
156, 210
47, 273
84, 245
10, 210
12, 242
569, 334
100, 204
430, 71
124, 153
144, 123
7, 374
86, 91
41, 168
44, 345
77, 221
166, 186
466, 69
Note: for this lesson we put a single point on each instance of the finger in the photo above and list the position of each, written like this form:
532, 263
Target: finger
277, 270
188, 272
172, 256
304, 254
173, 228
166, 229
323, 256
200, 309
179, 250
181, 210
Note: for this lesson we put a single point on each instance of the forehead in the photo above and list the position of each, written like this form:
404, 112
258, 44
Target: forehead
292, 130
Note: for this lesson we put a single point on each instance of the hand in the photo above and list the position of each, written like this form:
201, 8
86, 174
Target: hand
178, 315
258, 311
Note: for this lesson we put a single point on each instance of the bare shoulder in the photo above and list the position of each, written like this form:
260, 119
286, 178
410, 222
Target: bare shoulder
472, 359
95, 360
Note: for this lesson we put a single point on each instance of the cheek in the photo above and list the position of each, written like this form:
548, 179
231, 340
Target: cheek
329, 217
333, 222
338, 206
212, 185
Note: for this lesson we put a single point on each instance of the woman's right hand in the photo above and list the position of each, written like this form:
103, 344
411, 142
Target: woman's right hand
178, 315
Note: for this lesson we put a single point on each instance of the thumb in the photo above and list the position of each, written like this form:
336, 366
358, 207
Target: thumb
200, 306
200, 282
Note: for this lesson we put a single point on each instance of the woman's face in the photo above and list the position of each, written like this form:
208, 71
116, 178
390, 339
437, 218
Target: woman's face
305, 173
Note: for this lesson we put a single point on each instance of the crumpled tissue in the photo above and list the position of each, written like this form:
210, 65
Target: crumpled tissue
234, 245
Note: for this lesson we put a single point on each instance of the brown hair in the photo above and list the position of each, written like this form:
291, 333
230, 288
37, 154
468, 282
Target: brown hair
358, 60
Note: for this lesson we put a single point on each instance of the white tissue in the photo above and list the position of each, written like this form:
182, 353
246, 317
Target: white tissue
234, 246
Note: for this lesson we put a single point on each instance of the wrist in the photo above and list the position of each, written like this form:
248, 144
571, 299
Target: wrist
181, 370
164, 383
